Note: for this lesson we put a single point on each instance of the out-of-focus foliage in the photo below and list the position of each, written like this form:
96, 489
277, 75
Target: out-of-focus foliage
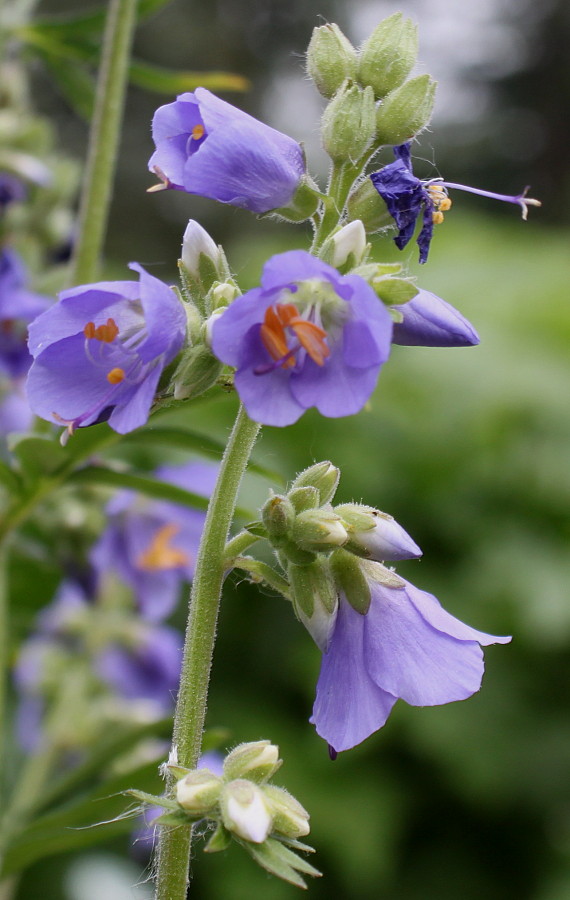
469, 450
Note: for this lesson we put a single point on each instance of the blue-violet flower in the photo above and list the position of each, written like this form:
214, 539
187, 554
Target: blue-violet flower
208, 147
99, 352
406, 646
18, 306
407, 197
307, 337
428, 321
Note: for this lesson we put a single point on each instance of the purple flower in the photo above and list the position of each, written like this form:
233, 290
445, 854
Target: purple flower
307, 337
407, 197
152, 545
99, 352
18, 306
12, 190
406, 646
147, 668
431, 322
15, 413
208, 147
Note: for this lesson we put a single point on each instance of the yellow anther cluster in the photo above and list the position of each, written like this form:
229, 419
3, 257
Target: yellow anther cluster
116, 376
442, 203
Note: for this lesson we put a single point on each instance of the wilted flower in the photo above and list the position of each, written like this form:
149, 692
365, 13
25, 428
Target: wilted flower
307, 337
18, 306
428, 321
152, 544
208, 147
407, 197
100, 351
406, 646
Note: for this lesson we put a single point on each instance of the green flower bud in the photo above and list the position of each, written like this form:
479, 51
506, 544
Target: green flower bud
375, 535
197, 371
221, 295
257, 760
349, 123
389, 54
315, 599
245, 811
349, 577
406, 111
278, 516
289, 817
199, 791
365, 203
331, 59
318, 530
323, 476
202, 262
304, 498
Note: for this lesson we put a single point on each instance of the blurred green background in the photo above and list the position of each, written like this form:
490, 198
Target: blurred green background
468, 449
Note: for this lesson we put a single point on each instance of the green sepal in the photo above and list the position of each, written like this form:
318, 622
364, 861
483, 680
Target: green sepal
278, 516
389, 54
393, 291
304, 498
290, 552
178, 771
220, 840
406, 111
257, 528
175, 818
152, 799
303, 204
279, 860
331, 59
349, 576
323, 476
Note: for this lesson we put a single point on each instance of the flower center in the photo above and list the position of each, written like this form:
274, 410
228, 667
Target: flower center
282, 316
105, 333
160, 555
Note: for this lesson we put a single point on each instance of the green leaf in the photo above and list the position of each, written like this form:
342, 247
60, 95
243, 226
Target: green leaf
82, 28
153, 799
9, 478
150, 487
75, 83
394, 290
148, 7
173, 818
38, 456
167, 81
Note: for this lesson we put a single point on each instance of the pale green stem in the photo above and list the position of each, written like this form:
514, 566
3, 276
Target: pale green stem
342, 178
174, 846
260, 571
104, 139
4, 657
238, 544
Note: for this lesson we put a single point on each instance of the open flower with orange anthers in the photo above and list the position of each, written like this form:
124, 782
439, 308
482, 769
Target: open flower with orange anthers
100, 350
307, 337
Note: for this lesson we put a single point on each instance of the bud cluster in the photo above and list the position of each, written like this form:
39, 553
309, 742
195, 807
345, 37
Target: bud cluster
242, 805
373, 102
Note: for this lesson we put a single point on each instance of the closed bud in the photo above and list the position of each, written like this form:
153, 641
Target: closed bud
221, 295
406, 111
278, 516
202, 262
375, 535
331, 59
318, 530
323, 476
245, 811
198, 792
289, 817
315, 599
389, 54
257, 760
198, 370
349, 123
349, 576
346, 247
304, 498
365, 204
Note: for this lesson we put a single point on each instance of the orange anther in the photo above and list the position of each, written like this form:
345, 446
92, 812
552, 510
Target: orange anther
89, 330
197, 132
311, 337
437, 218
105, 333
159, 554
115, 376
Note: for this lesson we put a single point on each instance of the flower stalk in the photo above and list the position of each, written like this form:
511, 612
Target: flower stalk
104, 139
174, 846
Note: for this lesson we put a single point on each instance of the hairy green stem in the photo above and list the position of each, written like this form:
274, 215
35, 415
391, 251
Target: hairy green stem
174, 846
343, 176
104, 139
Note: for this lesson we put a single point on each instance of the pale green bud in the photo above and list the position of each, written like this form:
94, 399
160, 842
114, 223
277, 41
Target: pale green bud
199, 791
315, 599
245, 811
202, 262
365, 204
349, 123
323, 476
303, 204
289, 817
318, 530
304, 498
221, 295
257, 760
389, 54
198, 370
406, 111
346, 247
331, 59
278, 516
350, 579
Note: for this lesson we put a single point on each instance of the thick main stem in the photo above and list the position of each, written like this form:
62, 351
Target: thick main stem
174, 847
104, 139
